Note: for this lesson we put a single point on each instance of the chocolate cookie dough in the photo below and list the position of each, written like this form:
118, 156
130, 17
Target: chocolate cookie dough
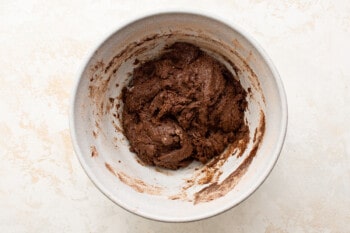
181, 106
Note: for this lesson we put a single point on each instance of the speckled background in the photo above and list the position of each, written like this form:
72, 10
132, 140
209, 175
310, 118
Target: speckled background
44, 189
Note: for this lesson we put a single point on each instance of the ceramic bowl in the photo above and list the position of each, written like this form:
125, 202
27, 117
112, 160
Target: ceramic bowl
197, 191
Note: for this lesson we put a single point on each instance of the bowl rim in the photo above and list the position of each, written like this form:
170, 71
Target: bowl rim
274, 155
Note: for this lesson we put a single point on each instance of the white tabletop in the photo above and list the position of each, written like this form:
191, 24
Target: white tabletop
42, 185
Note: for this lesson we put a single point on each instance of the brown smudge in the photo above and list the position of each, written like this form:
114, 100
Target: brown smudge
117, 128
94, 69
128, 48
236, 43
180, 196
97, 125
211, 172
216, 190
98, 88
136, 184
109, 167
94, 152
209, 176
139, 161
255, 134
109, 105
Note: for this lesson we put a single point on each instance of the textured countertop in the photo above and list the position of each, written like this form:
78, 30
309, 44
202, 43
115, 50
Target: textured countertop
42, 185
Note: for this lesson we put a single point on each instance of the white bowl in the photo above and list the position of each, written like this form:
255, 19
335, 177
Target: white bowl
161, 194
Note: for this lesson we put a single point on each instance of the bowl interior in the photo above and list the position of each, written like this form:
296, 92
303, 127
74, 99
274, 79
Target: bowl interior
152, 192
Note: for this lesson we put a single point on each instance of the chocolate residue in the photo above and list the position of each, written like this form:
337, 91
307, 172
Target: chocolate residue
94, 152
181, 196
131, 47
216, 190
211, 172
255, 134
110, 169
209, 176
136, 184
182, 106
237, 44
139, 161
94, 70
116, 127
97, 91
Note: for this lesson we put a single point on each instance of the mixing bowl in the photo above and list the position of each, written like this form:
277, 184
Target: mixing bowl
197, 191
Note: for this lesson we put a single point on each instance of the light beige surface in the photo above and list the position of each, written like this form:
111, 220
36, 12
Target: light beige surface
44, 189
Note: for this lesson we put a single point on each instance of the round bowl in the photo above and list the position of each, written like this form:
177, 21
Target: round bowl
197, 191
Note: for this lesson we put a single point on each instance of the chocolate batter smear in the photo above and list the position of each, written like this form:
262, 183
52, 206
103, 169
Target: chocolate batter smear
182, 106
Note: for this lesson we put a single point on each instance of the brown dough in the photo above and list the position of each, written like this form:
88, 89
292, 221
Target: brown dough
181, 106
